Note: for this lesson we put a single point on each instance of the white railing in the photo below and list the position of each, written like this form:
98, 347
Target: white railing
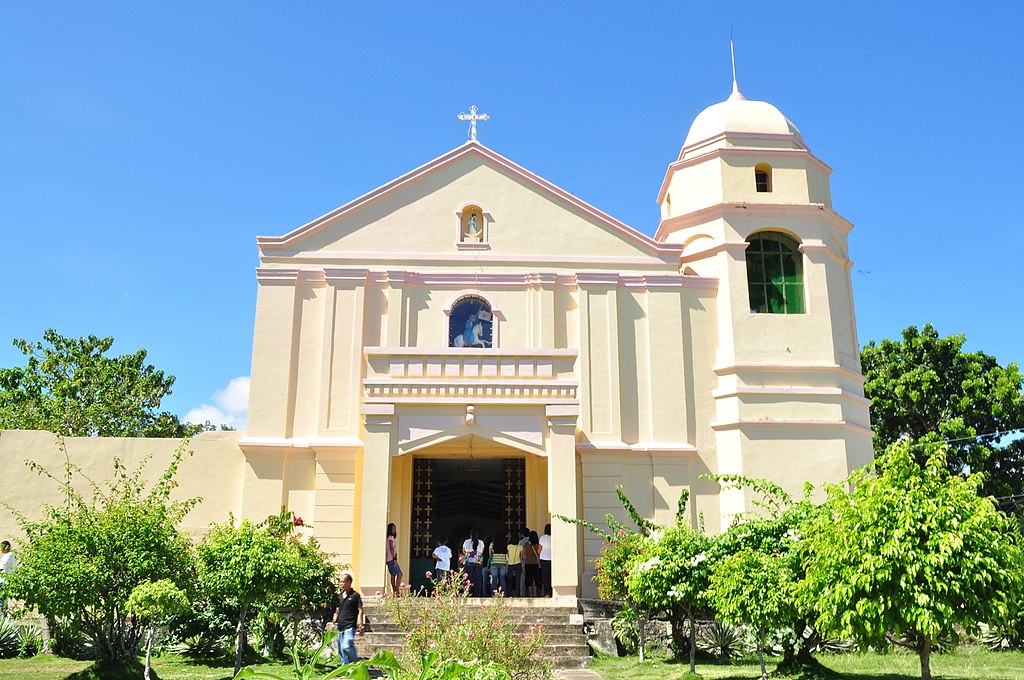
410, 374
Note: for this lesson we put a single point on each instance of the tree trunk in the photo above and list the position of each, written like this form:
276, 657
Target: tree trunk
641, 627
240, 638
149, 653
49, 625
760, 653
693, 641
924, 650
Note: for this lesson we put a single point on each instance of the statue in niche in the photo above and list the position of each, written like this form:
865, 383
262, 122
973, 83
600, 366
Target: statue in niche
476, 330
472, 231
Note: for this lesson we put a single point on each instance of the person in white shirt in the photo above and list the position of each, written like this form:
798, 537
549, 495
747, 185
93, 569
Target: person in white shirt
473, 553
8, 563
443, 559
545, 561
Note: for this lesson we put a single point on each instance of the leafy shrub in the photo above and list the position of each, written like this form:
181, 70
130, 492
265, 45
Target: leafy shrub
722, 639
83, 557
30, 641
624, 627
8, 638
69, 641
268, 629
441, 625
204, 645
203, 632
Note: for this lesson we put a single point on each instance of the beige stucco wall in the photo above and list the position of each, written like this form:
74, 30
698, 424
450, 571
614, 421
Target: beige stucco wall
212, 472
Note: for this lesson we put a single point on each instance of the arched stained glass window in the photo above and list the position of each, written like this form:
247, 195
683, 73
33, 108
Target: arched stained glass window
469, 324
775, 274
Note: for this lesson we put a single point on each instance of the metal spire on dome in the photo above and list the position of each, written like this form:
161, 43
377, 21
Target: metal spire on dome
736, 94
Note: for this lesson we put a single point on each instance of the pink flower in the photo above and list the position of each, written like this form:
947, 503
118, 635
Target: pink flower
408, 636
469, 634
433, 645
378, 593
429, 575
622, 533
296, 520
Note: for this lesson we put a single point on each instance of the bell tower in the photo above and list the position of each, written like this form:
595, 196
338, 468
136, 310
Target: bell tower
752, 208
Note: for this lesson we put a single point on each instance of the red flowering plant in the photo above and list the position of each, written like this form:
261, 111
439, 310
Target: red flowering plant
443, 624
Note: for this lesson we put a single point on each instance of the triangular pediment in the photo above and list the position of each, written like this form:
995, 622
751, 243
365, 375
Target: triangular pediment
467, 438
418, 213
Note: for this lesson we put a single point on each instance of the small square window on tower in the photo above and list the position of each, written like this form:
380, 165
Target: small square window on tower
763, 178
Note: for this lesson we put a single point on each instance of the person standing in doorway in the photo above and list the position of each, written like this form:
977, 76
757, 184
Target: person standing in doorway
442, 559
531, 553
391, 557
486, 571
524, 538
8, 563
473, 554
499, 566
515, 568
348, 619
545, 561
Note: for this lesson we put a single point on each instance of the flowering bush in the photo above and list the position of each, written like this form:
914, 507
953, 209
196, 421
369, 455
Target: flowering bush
442, 624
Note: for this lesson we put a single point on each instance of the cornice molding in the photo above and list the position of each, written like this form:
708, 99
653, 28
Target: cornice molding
472, 282
824, 424
733, 369
744, 209
791, 391
281, 444
750, 136
668, 257
650, 448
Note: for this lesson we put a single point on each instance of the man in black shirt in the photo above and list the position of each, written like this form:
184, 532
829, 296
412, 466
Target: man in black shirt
348, 617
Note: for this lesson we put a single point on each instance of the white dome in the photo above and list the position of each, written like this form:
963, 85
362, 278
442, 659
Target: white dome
738, 114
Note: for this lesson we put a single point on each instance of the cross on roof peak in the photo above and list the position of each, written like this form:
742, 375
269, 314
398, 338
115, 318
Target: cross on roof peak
473, 117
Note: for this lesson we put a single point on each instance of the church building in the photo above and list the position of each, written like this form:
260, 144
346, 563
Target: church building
471, 346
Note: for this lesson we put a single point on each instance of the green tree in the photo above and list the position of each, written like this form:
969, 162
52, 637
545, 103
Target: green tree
248, 565
153, 602
924, 384
316, 583
81, 560
70, 387
754, 588
673, 575
775, 530
911, 552
622, 550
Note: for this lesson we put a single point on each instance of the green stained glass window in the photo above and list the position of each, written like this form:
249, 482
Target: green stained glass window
775, 278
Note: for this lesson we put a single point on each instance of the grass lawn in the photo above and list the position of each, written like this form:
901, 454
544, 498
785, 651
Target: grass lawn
166, 667
967, 663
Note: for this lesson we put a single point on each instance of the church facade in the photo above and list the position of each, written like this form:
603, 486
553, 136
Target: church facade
470, 346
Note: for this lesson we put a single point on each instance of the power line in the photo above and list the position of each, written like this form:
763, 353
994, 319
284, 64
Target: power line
998, 433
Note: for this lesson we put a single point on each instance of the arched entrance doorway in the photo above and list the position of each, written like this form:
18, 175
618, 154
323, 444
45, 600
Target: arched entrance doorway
451, 496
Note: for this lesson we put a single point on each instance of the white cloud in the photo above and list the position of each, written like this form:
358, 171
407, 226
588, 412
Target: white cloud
230, 405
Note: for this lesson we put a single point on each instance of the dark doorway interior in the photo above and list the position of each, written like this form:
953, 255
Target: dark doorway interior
452, 496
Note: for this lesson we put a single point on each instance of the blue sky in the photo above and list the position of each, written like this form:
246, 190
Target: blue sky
146, 145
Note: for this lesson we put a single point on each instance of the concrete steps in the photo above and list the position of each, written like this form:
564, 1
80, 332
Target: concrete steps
565, 647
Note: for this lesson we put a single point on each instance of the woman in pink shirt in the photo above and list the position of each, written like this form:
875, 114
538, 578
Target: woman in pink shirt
391, 555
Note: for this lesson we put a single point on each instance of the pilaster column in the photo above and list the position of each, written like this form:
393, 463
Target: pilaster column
373, 478
563, 499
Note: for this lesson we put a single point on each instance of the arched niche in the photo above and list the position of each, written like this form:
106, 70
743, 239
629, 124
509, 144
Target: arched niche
471, 322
